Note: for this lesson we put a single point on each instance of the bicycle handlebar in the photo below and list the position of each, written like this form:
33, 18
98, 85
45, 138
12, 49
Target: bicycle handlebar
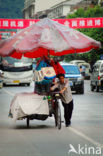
56, 92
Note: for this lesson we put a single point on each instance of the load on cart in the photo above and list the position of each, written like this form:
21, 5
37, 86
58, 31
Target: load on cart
44, 38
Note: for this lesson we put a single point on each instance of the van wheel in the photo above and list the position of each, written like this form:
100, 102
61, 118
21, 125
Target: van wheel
92, 88
97, 88
4, 84
28, 84
82, 91
28, 122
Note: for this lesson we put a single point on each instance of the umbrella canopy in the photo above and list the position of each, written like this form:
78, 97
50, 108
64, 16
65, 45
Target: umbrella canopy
47, 35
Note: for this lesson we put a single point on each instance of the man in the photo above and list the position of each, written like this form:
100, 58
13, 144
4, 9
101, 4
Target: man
66, 97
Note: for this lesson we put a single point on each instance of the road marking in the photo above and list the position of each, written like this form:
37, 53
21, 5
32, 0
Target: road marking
86, 137
8, 92
94, 93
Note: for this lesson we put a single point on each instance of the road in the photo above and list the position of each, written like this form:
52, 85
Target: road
43, 139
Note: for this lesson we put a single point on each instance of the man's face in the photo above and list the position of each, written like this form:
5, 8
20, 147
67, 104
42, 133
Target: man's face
61, 78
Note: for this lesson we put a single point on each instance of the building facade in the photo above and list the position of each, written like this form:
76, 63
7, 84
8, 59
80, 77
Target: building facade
53, 8
29, 9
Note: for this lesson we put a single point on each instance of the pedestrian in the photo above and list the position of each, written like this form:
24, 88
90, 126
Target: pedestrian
80, 69
66, 97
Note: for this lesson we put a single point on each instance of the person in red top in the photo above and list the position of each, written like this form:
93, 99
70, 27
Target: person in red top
57, 67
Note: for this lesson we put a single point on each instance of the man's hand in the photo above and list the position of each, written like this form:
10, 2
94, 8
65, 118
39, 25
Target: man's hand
51, 89
61, 91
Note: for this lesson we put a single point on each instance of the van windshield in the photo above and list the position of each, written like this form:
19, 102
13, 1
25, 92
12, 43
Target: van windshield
79, 63
71, 69
12, 62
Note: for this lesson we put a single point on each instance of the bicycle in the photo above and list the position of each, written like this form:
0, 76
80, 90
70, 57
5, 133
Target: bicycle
56, 111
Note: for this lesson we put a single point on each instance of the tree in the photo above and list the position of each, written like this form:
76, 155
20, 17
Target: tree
11, 8
95, 33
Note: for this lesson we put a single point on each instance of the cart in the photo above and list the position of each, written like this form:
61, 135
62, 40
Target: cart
53, 107
54, 110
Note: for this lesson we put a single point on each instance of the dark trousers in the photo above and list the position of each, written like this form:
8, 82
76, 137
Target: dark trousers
68, 109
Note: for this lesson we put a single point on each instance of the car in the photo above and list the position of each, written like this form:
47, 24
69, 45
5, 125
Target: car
96, 80
76, 80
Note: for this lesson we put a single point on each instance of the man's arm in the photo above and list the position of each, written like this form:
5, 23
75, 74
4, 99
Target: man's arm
63, 90
65, 87
54, 87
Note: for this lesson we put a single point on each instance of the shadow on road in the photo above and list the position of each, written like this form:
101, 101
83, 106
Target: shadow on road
23, 127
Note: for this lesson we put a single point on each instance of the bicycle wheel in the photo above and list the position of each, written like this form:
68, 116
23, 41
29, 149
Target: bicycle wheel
57, 116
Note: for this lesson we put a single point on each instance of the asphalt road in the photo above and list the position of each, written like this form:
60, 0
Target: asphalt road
43, 139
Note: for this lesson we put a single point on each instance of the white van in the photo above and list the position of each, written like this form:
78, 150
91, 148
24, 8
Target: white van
85, 64
87, 69
97, 76
17, 71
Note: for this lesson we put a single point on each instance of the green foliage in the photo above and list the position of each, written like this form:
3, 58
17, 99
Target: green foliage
97, 11
11, 8
79, 13
95, 33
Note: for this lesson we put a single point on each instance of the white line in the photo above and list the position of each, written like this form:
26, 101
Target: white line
6, 91
86, 137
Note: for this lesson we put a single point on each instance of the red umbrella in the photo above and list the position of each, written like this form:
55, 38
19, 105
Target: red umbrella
47, 35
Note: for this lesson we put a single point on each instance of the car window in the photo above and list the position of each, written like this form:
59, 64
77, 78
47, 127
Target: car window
71, 69
87, 66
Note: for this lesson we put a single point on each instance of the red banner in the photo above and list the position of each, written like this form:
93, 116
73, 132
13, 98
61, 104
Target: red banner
72, 23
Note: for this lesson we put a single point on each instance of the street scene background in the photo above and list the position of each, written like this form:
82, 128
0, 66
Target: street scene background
43, 138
